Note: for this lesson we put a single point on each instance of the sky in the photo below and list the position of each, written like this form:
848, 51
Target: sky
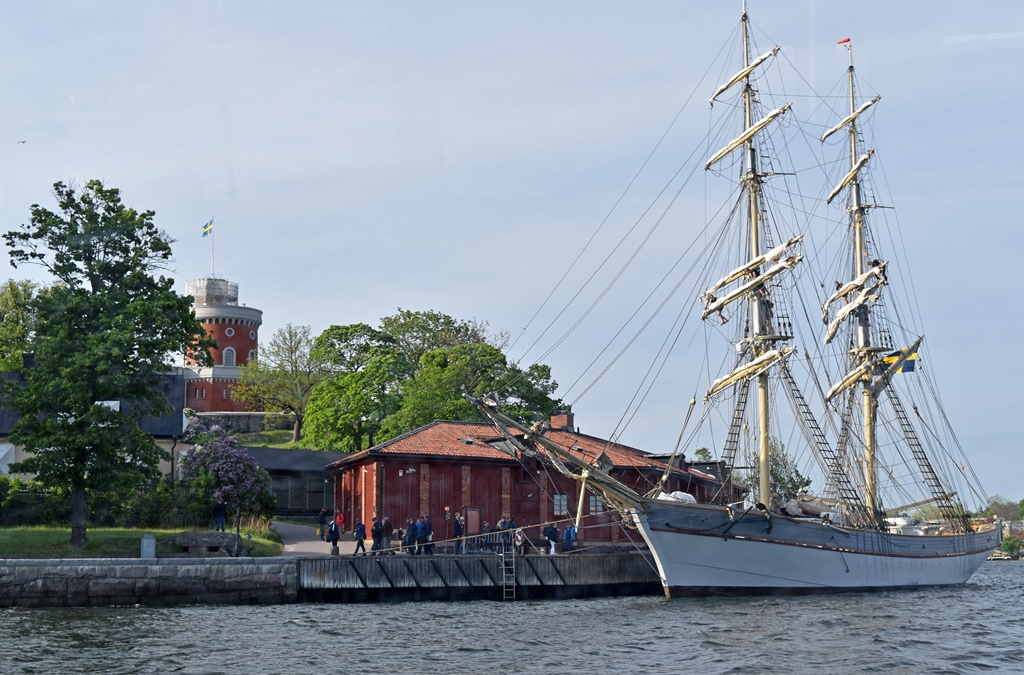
457, 156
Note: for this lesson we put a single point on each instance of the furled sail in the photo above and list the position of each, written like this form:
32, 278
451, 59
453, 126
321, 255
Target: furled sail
771, 256
855, 285
849, 118
713, 304
743, 73
850, 176
862, 297
749, 370
747, 135
850, 379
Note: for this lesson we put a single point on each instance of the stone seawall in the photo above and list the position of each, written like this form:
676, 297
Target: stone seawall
110, 581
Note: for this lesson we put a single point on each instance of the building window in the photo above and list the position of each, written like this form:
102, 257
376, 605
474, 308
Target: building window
197, 392
225, 394
202, 393
561, 505
596, 505
229, 356
229, 331
252, 335
252, 354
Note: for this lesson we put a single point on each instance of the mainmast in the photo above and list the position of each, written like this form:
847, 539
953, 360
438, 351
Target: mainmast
758, 313
764, 355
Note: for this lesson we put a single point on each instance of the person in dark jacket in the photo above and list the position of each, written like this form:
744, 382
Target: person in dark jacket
359, 534
322, 519
333, 534
457, 532
411, 532
388, 531
551, 534
376, 533
220, 509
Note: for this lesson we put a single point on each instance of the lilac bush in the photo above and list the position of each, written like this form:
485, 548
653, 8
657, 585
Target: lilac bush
217, 461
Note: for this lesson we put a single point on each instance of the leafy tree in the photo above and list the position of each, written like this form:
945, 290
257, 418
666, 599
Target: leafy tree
218, 463
347, 349
1002, 507
284, 376
1011, 545
445, 374
411, 371
103, 334
786, 480
416, 333
349, 407
16, 319
702, 455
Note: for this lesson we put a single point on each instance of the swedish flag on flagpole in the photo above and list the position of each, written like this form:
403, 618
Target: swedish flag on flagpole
208, 228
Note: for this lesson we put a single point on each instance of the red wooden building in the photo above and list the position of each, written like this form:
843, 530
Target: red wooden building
445, 467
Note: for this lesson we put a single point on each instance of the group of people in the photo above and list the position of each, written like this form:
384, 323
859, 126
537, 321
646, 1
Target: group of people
567, 537
417, 537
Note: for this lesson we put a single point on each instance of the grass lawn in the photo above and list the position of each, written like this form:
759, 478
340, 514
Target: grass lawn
100, 541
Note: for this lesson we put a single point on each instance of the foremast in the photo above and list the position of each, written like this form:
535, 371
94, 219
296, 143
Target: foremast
863, 357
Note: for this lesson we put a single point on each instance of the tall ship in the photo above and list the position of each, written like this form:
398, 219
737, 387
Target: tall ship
818, 350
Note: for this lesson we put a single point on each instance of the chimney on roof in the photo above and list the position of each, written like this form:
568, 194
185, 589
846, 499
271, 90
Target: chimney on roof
562, 419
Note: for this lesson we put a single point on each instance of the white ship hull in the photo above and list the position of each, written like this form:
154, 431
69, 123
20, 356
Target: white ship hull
699, 549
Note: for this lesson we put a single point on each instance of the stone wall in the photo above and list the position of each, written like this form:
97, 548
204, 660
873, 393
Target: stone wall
247, 422
103, 581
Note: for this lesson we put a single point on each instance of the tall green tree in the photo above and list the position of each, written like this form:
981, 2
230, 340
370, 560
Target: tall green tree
1002, 507
416, 333
411, 371
445, 374
16, 322
786, 480
104, 332
284, 376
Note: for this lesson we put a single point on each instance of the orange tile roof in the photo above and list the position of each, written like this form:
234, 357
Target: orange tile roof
589, 447
471, 440
440, 439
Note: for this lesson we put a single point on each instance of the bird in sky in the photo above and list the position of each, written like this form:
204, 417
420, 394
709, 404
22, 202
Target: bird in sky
20, 142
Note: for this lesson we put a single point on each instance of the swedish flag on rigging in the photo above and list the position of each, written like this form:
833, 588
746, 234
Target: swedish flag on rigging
908, 365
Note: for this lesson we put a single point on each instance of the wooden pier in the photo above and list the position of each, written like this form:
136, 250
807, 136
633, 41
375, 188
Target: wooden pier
396, 578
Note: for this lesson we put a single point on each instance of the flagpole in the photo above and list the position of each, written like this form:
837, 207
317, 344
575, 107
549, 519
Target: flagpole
213, 249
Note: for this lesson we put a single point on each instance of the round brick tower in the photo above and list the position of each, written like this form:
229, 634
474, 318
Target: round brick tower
236, 330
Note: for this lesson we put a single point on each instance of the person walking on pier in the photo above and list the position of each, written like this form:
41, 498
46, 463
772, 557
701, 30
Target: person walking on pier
387, 531
359, 533
424, 535
457, 533
376, 533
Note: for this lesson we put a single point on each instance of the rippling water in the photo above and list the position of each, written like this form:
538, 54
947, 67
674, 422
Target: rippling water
977, 627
